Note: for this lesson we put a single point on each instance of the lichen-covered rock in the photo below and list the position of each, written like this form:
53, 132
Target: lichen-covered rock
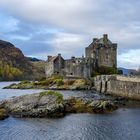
78, 105
52, 104
101, 106
45, 104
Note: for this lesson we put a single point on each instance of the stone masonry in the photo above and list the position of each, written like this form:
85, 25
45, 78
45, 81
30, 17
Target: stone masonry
118, 85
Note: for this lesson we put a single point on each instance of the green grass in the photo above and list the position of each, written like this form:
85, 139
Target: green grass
58, 80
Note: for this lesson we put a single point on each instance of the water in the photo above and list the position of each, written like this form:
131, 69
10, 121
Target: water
123, 124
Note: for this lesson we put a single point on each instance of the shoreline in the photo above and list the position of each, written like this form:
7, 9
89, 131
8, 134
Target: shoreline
120, 102
114, 85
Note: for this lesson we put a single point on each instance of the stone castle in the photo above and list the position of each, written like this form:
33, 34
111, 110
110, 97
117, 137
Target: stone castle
101, 52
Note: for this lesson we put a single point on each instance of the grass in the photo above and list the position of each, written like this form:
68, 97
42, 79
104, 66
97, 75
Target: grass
58, 95
56, 81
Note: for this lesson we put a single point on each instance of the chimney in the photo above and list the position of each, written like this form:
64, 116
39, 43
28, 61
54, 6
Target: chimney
49, 57
95, 39
59, 54
105, 38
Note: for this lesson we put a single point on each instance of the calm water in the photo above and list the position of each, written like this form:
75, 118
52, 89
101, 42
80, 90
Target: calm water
123, 124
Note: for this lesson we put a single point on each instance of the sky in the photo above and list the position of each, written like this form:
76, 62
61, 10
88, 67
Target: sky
48, 27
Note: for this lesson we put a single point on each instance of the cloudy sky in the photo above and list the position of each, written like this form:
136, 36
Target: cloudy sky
48, 27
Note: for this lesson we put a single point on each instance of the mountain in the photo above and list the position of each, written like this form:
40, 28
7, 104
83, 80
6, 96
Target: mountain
128, 71
15, 66
33, 59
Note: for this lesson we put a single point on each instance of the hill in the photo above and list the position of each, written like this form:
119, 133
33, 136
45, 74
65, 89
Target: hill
15, 66
128, 71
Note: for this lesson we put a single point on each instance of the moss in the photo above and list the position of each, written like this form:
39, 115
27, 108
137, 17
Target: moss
102, 106
64, 87
77, 106
3, 114
59, 82
69, 82
80, 83
58, 95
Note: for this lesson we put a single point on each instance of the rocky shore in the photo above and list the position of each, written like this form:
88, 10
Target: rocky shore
53, 83
52, 104
114, 85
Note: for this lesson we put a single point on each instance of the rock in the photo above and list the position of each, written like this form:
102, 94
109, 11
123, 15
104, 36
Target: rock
81, 105
52, 104
3, 114
76, 105
36, 105
101, 106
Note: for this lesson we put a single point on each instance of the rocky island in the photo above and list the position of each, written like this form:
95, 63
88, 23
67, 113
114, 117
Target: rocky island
52, 104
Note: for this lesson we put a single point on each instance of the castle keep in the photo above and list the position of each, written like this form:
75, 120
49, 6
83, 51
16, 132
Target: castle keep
101, 52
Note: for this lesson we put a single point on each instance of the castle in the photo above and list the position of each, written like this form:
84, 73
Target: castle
101, 52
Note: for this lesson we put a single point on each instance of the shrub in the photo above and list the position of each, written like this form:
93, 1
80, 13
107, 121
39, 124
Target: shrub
107, 70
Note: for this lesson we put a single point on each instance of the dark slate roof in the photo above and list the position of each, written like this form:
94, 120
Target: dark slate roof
101, 41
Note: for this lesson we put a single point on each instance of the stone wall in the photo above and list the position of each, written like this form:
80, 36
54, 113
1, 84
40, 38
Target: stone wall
128, 87
79, 67
107, 56
49, 69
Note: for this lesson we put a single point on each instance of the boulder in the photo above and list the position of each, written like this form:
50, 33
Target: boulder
36, 105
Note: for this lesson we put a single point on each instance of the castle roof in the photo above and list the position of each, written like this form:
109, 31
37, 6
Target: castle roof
52, 59
104, 41
101, 41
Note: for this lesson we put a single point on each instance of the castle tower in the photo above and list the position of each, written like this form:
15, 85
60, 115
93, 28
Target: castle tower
103, 51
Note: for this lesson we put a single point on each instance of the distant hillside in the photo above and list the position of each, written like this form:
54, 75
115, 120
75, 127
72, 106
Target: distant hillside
15, 66
33, 59
128, 71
